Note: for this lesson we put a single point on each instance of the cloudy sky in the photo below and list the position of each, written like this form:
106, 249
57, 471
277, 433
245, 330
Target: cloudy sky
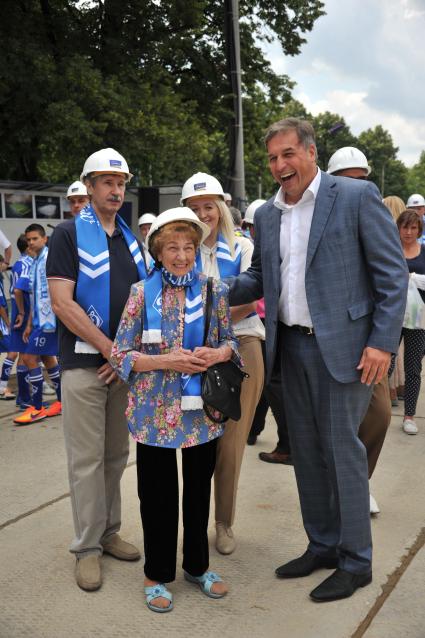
365, 61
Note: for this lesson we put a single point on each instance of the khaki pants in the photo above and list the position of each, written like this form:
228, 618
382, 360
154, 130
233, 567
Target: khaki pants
375, 424
96, 441
231, 445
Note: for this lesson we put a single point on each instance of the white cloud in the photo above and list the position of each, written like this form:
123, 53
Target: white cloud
364, 61
359, 116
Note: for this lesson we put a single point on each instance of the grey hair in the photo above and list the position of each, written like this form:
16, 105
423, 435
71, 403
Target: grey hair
303, 129
236, 215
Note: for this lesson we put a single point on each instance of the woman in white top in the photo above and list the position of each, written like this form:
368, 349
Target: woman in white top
223, 255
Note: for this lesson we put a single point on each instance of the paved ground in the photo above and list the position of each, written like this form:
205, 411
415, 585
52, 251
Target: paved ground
39, 599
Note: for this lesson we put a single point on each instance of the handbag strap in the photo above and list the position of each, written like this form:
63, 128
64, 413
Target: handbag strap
208, 309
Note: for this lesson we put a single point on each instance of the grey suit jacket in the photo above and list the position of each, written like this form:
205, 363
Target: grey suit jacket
356, 275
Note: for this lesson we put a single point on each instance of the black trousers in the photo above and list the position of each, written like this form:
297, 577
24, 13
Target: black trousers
272, 397
158, 489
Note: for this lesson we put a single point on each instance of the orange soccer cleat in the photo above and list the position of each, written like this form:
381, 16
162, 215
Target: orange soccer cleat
31, 415
54, 409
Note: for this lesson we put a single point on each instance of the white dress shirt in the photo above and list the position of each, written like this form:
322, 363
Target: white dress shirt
295, 224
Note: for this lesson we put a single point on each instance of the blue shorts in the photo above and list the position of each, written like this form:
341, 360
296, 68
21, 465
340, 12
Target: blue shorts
17, 344
42, 343
5, 344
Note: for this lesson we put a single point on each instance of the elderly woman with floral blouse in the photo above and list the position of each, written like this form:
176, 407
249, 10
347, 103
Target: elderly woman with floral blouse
159, 351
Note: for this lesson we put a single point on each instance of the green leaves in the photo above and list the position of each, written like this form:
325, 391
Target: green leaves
147, 77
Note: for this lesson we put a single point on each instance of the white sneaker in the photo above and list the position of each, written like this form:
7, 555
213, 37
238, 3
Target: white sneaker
409, 426
47, 389
374, 507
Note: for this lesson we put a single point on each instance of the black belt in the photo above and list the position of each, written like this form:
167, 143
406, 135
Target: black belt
305, 330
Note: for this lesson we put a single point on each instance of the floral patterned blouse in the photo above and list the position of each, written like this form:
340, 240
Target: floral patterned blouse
153, 413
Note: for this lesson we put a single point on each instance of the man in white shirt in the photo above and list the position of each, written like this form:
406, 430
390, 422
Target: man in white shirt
336, 298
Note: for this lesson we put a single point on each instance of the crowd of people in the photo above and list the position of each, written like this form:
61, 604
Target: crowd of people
308, 298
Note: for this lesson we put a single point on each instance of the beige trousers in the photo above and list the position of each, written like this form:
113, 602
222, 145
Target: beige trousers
231, 445
96, 441
374, 426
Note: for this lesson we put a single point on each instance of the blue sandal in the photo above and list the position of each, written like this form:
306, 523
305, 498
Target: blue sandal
158, 591
205, 582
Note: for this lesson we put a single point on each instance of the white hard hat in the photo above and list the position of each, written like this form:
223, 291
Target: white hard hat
250, 211
348, 157
181, 213
415, 200
227, 197
201, 184
77, 188
106, 161
147, 218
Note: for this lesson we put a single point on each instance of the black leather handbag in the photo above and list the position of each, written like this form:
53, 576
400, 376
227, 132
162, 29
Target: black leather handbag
222, 382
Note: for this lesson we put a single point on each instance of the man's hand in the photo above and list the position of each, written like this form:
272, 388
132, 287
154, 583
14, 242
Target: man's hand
19, 320
106, 373
374, 365
26, 333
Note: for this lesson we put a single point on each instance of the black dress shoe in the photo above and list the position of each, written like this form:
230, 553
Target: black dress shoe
252, 439
340, 584
305, 565
276, 457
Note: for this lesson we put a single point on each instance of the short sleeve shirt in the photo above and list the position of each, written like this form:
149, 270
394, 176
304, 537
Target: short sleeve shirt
63, 263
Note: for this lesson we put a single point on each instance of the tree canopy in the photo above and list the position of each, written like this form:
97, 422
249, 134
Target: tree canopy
151, 79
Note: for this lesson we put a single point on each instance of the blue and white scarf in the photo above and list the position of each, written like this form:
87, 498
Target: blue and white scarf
228, 266
193, 332
93, 285
42, 314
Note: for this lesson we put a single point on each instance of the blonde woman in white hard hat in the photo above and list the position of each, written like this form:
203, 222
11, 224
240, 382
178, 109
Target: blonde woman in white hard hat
222, 255
159, 351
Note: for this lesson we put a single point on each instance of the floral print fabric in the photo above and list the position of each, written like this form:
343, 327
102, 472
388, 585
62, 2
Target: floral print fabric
154, 414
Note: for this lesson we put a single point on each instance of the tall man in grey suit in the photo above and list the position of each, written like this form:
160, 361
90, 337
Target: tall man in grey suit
328, 261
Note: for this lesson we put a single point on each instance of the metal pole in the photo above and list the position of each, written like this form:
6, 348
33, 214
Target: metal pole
236, 178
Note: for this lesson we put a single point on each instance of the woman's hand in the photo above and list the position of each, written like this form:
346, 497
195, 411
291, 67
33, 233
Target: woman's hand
213, 355
183, 360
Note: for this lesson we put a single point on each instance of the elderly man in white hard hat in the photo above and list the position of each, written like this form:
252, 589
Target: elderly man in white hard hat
77, 197
351, 162
417, 202
94, 259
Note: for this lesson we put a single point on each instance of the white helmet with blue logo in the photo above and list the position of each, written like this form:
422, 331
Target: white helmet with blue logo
77, 188
107, 161
415, 200
201, 184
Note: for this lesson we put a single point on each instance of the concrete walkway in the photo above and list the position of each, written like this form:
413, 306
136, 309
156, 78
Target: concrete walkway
39, 597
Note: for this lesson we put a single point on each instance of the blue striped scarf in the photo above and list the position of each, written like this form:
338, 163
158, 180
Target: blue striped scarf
93, 285
193, 333
228, 266
42, 314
